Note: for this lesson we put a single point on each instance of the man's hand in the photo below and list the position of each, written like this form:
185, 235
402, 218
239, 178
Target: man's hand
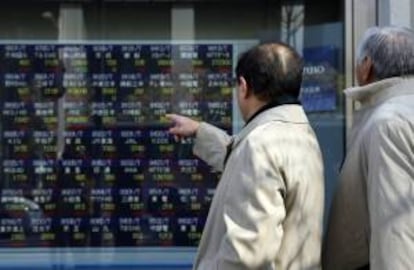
183, 126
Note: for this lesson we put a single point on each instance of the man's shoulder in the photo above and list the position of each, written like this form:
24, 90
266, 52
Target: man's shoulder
276, 131
394, 112
391, 122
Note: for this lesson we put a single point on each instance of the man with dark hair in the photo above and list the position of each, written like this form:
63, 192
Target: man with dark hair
268, 206
371, 223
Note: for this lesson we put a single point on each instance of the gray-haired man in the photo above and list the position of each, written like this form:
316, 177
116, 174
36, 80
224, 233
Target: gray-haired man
372, 218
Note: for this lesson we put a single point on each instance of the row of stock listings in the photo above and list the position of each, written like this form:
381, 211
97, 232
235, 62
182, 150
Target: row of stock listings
86, 158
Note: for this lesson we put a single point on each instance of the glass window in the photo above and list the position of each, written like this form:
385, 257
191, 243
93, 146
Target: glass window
90, 176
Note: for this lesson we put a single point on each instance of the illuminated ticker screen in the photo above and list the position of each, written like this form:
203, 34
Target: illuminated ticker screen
86, 158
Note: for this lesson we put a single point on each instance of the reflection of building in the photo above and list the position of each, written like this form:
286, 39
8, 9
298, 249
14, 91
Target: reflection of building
123, 66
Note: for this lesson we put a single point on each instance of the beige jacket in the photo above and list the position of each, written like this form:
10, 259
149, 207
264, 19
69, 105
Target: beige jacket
267, 209
372, 216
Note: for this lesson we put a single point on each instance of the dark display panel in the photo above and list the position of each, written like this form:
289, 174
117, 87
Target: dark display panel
86, 158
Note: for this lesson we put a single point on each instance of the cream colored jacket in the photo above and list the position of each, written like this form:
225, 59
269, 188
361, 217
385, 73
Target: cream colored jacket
372, 217
267, 209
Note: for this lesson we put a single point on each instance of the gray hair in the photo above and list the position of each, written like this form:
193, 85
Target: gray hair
391, 50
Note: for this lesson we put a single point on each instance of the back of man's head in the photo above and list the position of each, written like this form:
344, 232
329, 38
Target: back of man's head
391, 50
271, 70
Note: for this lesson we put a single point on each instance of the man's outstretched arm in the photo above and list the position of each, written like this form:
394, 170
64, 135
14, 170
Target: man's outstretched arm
210, 142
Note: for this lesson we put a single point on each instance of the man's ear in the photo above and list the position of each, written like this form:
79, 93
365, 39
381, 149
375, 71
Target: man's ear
244, 88
367, 70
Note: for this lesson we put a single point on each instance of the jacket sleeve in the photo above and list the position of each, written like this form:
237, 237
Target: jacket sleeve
253, 211
210, 145
390, 188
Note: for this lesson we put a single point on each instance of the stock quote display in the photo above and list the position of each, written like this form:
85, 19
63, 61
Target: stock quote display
86, 157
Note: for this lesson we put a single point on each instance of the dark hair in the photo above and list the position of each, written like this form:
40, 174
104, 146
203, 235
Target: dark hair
271, 70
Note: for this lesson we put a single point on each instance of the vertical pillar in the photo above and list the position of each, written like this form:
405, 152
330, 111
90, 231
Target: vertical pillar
359, 15
71, 22
182, 30
71, 26
182, 22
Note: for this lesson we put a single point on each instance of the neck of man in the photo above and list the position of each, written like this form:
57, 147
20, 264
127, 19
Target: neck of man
253, 107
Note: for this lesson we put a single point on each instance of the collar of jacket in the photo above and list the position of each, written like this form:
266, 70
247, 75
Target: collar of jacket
290, 113
380, 91
282, 100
